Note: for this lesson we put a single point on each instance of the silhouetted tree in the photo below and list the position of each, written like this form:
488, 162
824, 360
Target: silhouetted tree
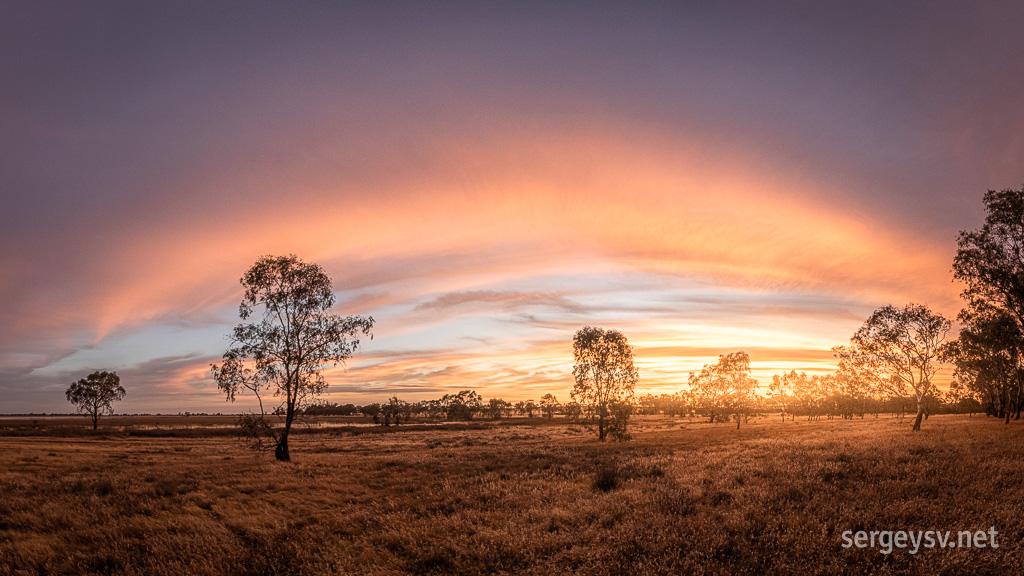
902, 346
526, 407
549, 405
496, 408
990, 261
373, 411
605, 378
395, 410
296, 338
95, 394
461, 406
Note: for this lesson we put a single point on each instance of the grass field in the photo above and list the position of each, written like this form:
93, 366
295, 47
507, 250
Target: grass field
681, 498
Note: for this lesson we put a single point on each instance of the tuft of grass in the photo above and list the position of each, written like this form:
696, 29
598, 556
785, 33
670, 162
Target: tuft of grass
607, 477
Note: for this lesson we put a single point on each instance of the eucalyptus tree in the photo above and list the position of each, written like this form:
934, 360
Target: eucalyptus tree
294, 340
549, 405
605, 378
725, 386
95, 394
901, 347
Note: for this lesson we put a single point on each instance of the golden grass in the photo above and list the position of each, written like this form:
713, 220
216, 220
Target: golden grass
680, 498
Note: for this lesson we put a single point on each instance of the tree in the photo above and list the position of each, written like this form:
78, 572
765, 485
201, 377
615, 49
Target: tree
549, 405
724, 386
605, 378
986, 359
526, 407
496, 408
396, 410
373, 411
95, 394
780, 395
297, 337
901, 346
461, 406
990, 261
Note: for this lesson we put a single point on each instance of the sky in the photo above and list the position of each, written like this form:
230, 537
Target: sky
484, 179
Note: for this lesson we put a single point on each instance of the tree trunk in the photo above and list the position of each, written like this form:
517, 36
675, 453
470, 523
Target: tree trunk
600, 427
95, 419
281, 450
917, 421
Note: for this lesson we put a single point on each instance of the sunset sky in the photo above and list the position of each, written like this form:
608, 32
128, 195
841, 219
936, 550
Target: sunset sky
486, 178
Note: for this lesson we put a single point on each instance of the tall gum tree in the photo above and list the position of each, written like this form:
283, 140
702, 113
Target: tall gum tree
297, 337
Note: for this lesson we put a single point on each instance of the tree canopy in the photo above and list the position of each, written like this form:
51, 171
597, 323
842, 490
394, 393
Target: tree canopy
295, 339
95, 394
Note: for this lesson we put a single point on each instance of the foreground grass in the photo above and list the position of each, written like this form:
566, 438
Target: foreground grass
681, 498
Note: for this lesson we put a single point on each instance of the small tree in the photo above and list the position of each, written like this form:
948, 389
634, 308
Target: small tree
395, 410
496, 408
526, 407
549, 405
373, 411
95, 394
298, 336
462, 406
605, 378
901, 346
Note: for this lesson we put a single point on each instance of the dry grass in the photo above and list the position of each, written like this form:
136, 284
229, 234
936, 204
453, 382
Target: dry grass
681, 498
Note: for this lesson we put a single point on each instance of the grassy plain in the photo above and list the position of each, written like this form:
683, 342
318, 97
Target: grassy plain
681, 498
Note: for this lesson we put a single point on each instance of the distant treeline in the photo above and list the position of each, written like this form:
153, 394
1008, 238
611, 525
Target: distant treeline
793, 395
465, 405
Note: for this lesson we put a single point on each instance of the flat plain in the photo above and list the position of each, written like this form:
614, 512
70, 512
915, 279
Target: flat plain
150, 496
